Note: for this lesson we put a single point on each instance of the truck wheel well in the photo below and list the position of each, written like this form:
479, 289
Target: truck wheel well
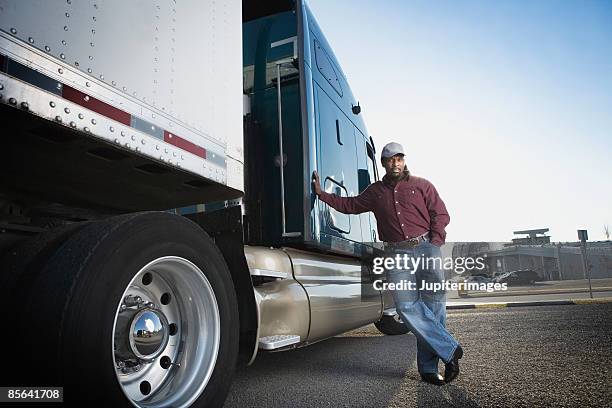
225, 227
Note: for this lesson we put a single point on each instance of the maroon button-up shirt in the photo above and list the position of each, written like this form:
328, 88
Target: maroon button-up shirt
404, 210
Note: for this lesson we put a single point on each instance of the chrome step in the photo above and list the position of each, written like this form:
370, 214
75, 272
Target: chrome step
278, 341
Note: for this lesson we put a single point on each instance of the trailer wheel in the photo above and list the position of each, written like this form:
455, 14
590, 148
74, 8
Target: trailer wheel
137, 308
20, 266
391, 325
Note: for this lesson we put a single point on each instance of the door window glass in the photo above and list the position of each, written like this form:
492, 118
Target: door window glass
326, 68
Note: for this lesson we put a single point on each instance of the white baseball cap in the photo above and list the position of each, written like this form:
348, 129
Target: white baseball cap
391, 149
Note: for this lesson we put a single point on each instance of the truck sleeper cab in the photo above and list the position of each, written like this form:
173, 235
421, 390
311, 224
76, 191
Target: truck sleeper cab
299, 101
144, 233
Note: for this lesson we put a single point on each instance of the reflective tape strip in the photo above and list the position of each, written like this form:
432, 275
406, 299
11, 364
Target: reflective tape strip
49, 84
147, 127
184, 144
96, 105
30, 76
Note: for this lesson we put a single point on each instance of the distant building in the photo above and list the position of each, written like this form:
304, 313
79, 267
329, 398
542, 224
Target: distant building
551, 261
554, 261
533, 238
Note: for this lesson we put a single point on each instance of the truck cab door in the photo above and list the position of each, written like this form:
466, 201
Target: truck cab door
338, 171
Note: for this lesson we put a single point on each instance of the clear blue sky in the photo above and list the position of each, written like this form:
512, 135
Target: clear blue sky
506, 106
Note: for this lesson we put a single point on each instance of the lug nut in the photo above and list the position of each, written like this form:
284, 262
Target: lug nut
165, 362
131, 300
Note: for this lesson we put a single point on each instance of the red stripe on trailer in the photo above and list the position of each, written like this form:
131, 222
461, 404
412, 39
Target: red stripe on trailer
96, 105
184, 144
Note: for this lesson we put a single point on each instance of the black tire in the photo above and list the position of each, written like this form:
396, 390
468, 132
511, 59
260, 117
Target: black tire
74, 301
19, 267
390, 326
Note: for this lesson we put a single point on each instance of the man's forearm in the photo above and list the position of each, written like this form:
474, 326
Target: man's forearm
346, 205
438, 228
332, 200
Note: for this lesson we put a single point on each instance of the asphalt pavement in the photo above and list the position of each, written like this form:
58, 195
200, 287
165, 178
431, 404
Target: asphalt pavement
471, 300
566, 288
514, 357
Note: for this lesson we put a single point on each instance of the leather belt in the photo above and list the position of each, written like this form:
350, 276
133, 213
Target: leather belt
409, 243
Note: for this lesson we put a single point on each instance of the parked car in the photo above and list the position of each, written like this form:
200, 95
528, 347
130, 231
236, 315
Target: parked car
478, 279
457, 278
499, 275
520, 277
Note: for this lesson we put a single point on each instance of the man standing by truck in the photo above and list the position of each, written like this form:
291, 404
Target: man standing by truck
411, 219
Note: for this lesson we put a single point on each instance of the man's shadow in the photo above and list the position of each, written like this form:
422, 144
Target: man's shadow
448, 395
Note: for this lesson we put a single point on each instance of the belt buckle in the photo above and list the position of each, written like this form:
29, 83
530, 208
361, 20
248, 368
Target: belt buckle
412, 242
409, 243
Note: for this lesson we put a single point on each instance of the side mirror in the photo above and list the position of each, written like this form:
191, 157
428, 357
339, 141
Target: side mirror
356, 109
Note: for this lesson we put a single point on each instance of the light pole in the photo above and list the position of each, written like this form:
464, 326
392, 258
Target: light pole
583, 236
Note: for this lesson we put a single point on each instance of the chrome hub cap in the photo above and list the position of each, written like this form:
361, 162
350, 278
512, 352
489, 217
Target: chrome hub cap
166, 334
148, 334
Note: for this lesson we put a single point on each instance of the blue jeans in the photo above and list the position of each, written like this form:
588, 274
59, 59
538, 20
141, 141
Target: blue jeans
423, 311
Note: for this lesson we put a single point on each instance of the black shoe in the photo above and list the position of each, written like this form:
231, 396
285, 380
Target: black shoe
432, 378
451, 369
